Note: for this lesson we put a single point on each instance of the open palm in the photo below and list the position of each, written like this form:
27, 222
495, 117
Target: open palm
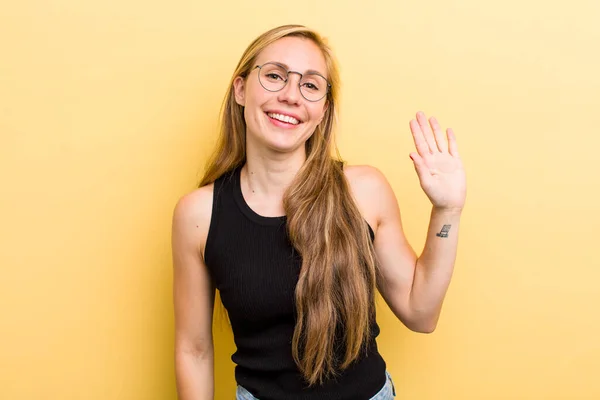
437, 163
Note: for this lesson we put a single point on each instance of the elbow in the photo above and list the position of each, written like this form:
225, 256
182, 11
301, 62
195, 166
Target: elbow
424, 328
423, 324
417, 319
197, 354
201, 349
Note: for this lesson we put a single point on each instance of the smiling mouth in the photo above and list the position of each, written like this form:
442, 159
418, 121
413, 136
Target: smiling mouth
283, 118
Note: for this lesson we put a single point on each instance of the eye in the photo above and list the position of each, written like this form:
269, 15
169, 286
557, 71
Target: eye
314, 83
273, 76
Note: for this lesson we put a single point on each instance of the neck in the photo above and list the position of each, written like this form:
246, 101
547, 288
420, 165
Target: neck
269, 177
271, 174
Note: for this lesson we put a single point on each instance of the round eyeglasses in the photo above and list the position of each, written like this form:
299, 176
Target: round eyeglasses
274, 76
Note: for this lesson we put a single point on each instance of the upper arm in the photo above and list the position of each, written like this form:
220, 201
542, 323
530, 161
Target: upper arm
396, 258
193, 290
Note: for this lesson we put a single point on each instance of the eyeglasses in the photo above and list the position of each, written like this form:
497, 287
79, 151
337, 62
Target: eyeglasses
274, 76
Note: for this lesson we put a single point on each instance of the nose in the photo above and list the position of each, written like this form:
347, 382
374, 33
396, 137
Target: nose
291, 92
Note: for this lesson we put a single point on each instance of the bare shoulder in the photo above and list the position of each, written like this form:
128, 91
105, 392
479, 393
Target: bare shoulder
364, 176
371, 190
191, 217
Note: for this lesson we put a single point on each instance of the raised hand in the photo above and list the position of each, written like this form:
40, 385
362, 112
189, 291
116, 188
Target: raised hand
438, 165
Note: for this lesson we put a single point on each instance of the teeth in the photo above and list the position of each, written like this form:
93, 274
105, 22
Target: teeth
284, 118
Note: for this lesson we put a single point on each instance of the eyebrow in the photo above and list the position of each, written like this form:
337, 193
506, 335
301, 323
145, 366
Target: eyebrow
308, 71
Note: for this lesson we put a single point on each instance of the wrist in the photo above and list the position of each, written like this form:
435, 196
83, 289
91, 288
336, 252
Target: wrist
447, 210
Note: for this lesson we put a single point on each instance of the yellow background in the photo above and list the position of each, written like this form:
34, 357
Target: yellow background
108, 111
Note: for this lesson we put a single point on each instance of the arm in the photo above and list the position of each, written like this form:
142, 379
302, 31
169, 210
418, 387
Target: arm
442, 178
193, 297
415, 287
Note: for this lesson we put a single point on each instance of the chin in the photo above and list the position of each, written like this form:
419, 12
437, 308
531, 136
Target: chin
275, 139
285, 147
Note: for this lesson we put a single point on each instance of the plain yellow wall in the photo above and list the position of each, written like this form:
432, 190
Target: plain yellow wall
109, 109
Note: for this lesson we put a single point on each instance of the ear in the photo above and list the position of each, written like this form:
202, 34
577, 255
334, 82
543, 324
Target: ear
239, 86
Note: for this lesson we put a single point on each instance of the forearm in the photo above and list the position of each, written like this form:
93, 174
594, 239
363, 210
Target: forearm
194, 376
434, 268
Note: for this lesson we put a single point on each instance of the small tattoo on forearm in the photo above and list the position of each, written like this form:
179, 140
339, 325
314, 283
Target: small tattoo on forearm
444, 232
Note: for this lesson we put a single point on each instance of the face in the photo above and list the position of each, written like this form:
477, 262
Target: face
282, 121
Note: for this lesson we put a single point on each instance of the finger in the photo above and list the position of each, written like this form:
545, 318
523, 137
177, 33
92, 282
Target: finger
419, 138
426, 129
420, 167
452, 143
440, 137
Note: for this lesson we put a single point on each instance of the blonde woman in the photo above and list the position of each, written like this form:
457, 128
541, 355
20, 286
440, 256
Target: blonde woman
297, 243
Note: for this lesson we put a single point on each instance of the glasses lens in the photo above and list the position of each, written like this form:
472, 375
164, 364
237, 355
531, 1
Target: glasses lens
272, 77
313, 87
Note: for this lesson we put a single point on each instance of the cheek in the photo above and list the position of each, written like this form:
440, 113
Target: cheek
256, 94
317, 114
254, 102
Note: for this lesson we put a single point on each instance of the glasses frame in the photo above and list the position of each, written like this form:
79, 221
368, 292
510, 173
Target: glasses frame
288, 72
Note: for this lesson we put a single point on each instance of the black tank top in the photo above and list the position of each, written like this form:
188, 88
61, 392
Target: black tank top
255, 268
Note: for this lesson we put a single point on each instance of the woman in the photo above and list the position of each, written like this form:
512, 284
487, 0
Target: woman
297, 243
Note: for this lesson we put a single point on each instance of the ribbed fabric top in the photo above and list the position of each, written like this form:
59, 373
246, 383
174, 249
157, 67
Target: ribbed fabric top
256, 269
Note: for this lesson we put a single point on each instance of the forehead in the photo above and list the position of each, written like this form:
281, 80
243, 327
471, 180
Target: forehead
299, 54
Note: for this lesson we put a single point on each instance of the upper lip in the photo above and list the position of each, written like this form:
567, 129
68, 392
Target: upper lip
284, 113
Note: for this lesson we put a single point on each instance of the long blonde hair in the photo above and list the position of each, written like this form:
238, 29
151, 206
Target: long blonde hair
335, 294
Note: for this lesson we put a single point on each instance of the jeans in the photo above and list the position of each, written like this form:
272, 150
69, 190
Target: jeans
387, 392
